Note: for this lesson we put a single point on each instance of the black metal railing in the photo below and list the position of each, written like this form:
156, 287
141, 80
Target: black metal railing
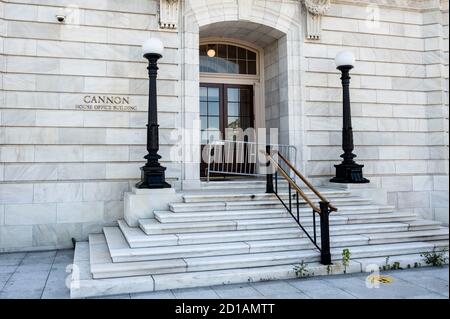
293, 205
233, 157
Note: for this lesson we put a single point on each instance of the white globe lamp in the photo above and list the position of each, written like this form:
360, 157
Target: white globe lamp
153, 46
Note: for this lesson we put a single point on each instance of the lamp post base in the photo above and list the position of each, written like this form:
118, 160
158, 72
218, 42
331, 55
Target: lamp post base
349, 174
153, 177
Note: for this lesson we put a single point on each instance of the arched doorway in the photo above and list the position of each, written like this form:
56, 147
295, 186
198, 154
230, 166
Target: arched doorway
275, 38
230, 77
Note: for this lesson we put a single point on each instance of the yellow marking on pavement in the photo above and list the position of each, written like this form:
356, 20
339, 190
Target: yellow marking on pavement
380, 279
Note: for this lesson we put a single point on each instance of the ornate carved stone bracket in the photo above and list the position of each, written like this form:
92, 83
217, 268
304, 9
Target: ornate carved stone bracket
314, 11
168, 14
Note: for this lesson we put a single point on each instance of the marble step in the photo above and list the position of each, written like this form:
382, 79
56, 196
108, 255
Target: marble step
278, 272
417, 235
375, 228
84, 285
386, 262
424, 224
243, 184
103, 267
246, 195
137, 238
259, 204
171, 217
168, 216
440, 244
154, 227
380, 218
121, 252
292, 257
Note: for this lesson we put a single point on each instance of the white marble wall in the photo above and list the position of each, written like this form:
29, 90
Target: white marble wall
272, 89
399, 92
64, 170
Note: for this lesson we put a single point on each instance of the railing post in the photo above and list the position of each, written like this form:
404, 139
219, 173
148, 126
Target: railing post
269, 175
325, 233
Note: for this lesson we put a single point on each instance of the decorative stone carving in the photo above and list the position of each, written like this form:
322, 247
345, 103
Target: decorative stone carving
168, 14
314, 11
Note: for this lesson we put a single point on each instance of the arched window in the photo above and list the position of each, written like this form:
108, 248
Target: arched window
226, 58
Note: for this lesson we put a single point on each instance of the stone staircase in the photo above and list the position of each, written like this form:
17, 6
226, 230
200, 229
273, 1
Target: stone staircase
226, 233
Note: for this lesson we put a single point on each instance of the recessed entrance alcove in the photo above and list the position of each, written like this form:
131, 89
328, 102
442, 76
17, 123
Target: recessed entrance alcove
270, 72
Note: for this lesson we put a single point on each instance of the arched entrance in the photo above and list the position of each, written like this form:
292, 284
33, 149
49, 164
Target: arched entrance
275, 39
230, 89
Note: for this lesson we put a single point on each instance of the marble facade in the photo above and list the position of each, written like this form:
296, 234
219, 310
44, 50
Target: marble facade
64, 170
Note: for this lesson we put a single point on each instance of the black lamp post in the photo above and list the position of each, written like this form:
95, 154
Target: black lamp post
152, 173
348, 171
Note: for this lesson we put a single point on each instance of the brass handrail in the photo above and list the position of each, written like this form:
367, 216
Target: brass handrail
293, 184
307, 183
323, 212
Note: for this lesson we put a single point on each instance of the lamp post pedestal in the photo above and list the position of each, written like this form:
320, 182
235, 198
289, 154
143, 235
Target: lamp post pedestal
349, 174
348, 171
152, 173
153, 177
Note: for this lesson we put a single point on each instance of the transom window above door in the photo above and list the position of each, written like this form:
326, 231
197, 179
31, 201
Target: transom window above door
228, 59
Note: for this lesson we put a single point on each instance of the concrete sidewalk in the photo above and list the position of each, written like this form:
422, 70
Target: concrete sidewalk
43, 275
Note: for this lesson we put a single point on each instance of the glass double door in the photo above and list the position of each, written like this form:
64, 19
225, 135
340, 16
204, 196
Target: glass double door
224, 108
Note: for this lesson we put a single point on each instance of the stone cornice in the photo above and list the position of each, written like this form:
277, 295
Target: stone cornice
401, 4
315, 9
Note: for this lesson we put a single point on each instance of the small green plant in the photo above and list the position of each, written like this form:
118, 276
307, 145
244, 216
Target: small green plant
345, 258
266, 279
328, 269
386, 264
300, 270
435, 258
394, 266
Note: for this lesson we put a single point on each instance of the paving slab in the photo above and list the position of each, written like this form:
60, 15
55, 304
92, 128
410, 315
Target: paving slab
24, 285
10, 261
9, 256
279, 290
21, 294
319, 289
4, 279
423, 280
430, 296
47, 281
397, 289
438, 272
57, 280
243, 291
164, 294
7, 270
37, 261
41, 254
64, 257
52, 293
195, 293
28, 268
122, 296
32, 276
61, 266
